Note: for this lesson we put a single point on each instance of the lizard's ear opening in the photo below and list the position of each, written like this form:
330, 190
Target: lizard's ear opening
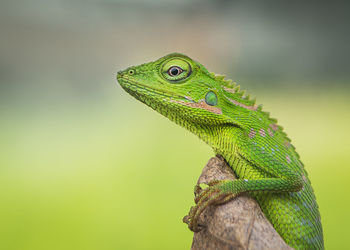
175, 70
211, 98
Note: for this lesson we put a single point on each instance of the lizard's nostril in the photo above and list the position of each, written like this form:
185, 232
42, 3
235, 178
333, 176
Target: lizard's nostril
119, 75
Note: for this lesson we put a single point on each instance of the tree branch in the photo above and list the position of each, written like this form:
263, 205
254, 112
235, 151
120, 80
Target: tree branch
237, 224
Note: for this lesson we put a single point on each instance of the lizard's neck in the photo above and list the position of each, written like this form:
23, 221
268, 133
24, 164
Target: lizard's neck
220, 138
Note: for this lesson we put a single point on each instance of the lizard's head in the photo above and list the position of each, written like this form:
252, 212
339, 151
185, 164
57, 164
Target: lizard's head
179, 88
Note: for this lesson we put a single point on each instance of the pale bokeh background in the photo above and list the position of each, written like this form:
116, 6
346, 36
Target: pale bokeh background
85, 166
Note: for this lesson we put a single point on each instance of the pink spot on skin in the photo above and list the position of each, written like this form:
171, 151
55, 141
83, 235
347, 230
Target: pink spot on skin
252, 133
262, 132
274, 126
270, 132
287, 144
229, 90
288, 159
304, 178
254, 108
200, 105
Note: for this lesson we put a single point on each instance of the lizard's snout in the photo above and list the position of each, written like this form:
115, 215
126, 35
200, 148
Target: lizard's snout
128, 72
119, 74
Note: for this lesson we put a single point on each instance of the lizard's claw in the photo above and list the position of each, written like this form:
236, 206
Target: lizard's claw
213, 195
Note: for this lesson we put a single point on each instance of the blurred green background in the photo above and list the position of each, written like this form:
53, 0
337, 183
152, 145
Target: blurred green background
85, 166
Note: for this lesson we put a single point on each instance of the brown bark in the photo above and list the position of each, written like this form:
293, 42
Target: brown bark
237, 224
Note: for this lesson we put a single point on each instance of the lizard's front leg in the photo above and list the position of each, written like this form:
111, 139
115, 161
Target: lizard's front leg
222, 191
213, 195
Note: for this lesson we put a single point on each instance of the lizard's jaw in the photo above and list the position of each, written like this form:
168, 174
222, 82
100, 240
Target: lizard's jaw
158, 100
140, 91
181, 109
177, 109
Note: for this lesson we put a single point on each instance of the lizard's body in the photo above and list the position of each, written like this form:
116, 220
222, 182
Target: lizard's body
259, 152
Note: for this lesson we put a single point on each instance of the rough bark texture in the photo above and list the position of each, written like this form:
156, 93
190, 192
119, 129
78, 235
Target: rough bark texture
238, 224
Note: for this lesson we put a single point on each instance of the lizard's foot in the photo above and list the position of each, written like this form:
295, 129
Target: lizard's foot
217, 193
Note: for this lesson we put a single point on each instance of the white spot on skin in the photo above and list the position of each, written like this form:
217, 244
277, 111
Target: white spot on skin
189, 98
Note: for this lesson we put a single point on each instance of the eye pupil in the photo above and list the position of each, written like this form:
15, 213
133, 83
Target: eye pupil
174, 71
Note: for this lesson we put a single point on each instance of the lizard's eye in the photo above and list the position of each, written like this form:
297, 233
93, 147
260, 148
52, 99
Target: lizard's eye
175, 71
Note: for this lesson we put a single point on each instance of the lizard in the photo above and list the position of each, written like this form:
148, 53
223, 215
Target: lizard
261, 155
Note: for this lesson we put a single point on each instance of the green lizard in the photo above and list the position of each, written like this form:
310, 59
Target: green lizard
254, 146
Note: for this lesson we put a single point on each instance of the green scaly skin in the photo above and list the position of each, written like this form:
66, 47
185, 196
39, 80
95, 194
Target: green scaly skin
255, 147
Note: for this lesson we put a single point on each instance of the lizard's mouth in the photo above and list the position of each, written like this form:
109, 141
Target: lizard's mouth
142, 91
166, 102
157, 99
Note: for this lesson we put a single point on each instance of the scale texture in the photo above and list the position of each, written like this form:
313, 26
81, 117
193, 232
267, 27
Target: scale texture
251, 142
238, 224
